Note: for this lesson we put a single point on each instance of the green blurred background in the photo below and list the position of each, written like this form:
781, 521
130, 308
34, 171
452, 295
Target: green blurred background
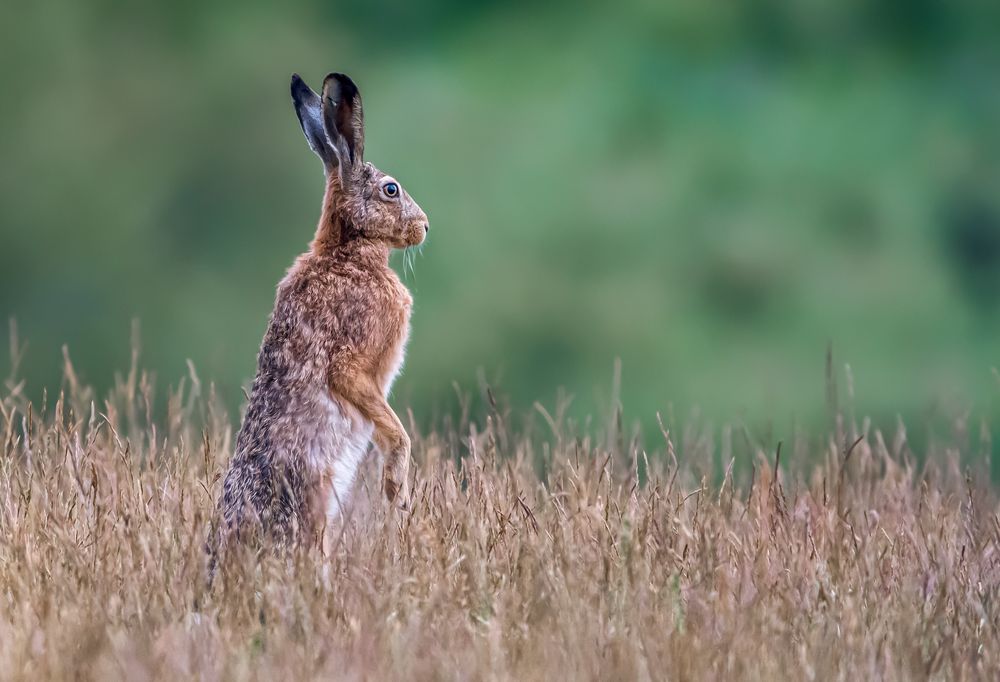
711, 191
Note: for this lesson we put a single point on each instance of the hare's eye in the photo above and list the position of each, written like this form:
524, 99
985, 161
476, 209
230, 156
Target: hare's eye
391, 190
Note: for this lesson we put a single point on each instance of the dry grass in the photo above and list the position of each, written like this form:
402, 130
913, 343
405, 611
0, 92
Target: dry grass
859, 566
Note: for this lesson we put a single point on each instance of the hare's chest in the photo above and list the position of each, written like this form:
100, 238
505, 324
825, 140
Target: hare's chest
395, 354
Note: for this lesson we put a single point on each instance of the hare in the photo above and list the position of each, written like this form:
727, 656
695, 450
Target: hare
333, 347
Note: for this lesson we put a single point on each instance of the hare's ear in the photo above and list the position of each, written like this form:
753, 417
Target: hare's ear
343, 116
310, 112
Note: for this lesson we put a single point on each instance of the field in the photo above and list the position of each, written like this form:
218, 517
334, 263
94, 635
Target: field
537, 548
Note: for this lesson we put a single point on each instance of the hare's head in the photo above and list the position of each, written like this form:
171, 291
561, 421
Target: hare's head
361, 201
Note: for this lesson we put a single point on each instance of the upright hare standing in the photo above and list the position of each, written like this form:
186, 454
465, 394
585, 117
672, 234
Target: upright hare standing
334, 345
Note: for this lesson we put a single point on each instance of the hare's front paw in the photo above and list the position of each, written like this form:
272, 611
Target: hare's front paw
394, 484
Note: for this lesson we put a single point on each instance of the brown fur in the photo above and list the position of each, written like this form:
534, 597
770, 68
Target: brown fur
334, 344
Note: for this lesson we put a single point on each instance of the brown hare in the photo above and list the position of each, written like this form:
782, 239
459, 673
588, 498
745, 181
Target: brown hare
333, 346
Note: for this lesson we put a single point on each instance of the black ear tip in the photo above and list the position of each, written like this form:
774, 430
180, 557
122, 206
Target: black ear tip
298, 88
346, 85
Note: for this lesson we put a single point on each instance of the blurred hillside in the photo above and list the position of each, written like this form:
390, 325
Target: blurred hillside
711, 191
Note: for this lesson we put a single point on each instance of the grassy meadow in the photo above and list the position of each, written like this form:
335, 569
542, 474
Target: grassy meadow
537, 548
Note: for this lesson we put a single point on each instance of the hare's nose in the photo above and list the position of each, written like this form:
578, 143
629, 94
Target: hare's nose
427, 228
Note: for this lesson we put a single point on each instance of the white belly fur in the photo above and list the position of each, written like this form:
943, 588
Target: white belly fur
337, 449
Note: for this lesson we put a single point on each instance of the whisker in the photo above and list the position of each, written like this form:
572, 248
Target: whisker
408, 262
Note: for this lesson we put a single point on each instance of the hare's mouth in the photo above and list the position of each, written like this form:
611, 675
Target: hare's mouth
418, 233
